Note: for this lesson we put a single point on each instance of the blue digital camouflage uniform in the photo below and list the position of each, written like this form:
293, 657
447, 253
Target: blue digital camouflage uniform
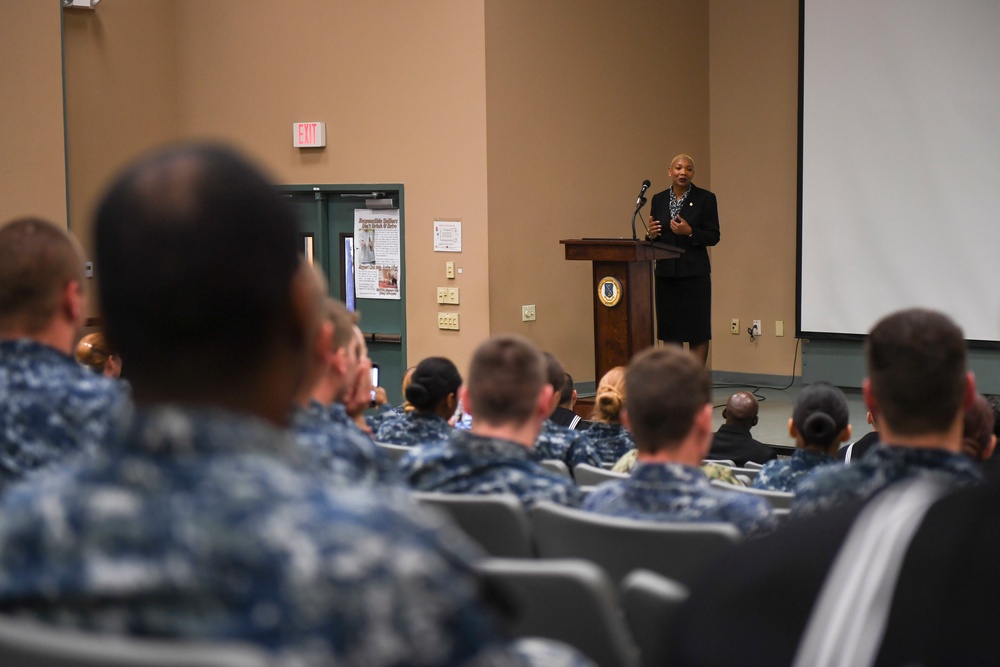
609, 441
469, 463
675, 492
208, 525
784, 474
382, 413
836, 484
51, 408
414, 429
560, 443
339, 449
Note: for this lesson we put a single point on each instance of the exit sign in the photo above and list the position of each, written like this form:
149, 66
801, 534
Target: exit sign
309, 135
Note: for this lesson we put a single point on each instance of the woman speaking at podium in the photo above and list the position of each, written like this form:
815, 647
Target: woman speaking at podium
684, 284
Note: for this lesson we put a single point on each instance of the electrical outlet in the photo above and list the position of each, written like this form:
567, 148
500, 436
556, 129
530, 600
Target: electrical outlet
442, 295
449, 270
452, 296
779, 328
734, 326
448, 321
528, 313
756, 327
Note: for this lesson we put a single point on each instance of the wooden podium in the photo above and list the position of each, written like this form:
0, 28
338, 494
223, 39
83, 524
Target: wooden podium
622, 289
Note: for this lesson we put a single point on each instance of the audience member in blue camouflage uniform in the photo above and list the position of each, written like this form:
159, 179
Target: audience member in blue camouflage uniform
918, 388
555, 441
820, 422
319, 420
670, 416
508, 398
201, 519
433, 393
51, 408
386, 412
608, 438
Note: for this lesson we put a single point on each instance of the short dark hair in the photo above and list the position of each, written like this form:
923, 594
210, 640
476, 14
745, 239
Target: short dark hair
555, 374
917, 371
505, 377
820, 413
977, 428
198, 254
37, 261
566, 391
433, 380
666, 387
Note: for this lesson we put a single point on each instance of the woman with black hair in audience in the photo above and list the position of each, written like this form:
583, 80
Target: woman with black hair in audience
433, 393
609, 438
820, 422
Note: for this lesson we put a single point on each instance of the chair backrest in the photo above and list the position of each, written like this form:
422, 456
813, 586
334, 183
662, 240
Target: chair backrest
721, 462
568, 600
588, 475
29, 644
778, 499
679, 551
393, 452
557, 466
753, 464
650, 603
498, 522
747, 472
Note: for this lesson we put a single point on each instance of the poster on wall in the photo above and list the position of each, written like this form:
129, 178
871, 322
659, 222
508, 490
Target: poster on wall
376, 254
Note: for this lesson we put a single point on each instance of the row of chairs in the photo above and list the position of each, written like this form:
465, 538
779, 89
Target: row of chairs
574, 602
501, 525
571, 601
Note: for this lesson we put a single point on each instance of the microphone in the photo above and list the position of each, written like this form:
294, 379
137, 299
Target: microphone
640, 200
639, 203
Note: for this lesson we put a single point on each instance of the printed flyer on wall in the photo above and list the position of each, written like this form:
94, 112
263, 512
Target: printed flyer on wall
376, 254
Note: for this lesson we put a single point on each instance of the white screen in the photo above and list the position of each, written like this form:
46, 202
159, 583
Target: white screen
900, 163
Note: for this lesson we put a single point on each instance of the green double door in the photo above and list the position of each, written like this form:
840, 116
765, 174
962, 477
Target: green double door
326, 215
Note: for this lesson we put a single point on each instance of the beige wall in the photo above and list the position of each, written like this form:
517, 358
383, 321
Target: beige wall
401, 86
529, 121
32, 171
121, 96
754, 131
585, 99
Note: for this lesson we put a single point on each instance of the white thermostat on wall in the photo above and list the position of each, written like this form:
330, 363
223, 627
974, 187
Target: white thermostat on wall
309, 135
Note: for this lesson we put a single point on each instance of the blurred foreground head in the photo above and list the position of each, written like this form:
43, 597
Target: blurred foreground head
201, 285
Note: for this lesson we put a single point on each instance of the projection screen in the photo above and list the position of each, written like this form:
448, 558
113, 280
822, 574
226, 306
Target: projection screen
899, 164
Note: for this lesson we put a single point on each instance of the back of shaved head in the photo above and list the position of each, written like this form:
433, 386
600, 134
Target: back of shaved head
741, 409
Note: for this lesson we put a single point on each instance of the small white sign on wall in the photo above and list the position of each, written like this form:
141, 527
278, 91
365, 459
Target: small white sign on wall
447, 236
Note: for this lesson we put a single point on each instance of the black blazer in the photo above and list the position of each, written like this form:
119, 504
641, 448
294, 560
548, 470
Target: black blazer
701, 210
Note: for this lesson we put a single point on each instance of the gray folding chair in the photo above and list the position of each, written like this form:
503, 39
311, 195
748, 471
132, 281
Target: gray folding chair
650, 603
778, 499
29, 644
679, 551
393, 452
568, 600
753, 464
557, 466
588, 475
749, 472
498, 522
